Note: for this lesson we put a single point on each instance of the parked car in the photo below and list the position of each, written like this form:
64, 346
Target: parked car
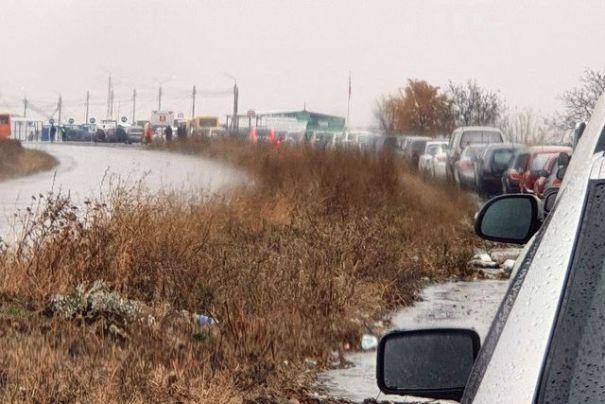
322, 140
555, 175
438, 162
431, 149
491, 166
414, 147
465, 136
512, 176
538, 157
540, 182
545, 344
134, 134
387, 144
464, 169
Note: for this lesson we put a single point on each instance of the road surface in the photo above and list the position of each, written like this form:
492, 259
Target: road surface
86, 171
455, 304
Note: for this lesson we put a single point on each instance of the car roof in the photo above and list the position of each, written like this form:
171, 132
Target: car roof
516, 146
549, 149
479, 128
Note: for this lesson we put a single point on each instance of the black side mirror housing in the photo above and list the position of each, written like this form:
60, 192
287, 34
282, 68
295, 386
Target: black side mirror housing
561, 172
550, 197
431, 363
563, 159
511, 218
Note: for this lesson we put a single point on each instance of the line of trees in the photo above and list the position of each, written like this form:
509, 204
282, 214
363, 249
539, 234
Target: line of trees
424, 109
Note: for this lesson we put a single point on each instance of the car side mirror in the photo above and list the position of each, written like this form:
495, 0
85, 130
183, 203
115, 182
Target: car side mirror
561, 172
431, 363
511, 218
563, 159
550, 197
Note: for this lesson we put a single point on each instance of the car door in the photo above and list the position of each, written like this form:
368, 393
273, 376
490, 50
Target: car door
517, 353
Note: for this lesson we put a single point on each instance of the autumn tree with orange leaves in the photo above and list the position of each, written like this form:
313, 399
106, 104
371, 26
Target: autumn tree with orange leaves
419, 108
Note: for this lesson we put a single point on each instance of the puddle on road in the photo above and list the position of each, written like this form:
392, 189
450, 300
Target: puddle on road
457, 304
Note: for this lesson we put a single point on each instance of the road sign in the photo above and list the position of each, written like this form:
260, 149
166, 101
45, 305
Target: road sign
251, 113
71, 121
161, 118
124, 119
51, 121
92, 120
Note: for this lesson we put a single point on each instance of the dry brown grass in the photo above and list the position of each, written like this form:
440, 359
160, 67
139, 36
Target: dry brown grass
17, 161
293, 268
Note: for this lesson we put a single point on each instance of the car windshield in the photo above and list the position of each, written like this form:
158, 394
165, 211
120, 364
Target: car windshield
503, 157
539, 161
433, 149
521, 161
473, 137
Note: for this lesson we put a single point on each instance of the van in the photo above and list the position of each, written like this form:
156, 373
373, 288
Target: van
465, 136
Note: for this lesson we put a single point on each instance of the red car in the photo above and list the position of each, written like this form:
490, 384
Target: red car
545, 175
538, 157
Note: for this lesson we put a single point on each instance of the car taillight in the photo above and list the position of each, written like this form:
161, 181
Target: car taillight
465, 164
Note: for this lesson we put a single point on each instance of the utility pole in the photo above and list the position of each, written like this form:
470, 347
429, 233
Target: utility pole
193, 103
109, 100
87, 104
160, 98
111, 104
234, 120
25, 107
134, 104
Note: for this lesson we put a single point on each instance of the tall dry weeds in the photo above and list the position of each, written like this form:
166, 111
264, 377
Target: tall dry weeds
292, 268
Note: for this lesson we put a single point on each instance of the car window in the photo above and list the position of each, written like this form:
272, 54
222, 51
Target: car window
502, 158
472, 137
539, 161
575, 366
433, 149
521, 161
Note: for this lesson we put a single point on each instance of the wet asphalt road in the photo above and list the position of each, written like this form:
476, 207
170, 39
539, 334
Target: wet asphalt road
452, 304
86, 171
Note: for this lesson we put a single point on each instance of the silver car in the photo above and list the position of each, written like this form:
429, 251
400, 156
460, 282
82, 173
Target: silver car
547, 341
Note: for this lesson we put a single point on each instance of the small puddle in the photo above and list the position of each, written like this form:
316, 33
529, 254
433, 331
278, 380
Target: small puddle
451, 304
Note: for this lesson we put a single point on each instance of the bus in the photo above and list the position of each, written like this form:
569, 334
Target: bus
204, 126
5, 126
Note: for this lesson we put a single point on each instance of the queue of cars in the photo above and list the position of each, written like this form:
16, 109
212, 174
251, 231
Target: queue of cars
483, 160
545, 344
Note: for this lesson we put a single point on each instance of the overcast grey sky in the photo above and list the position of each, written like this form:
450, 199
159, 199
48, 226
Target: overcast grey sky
287, 53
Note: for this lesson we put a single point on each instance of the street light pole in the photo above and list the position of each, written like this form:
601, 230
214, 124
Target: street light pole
193, 103
235, 120
160, 98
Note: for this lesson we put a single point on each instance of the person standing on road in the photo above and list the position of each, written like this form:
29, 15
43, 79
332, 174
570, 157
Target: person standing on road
181, 132
168, 133
53, 132
147, 133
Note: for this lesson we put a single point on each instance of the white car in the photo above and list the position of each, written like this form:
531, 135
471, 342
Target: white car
547, 340
431, 149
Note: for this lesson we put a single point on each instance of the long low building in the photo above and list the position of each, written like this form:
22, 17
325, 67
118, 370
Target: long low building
292, 121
